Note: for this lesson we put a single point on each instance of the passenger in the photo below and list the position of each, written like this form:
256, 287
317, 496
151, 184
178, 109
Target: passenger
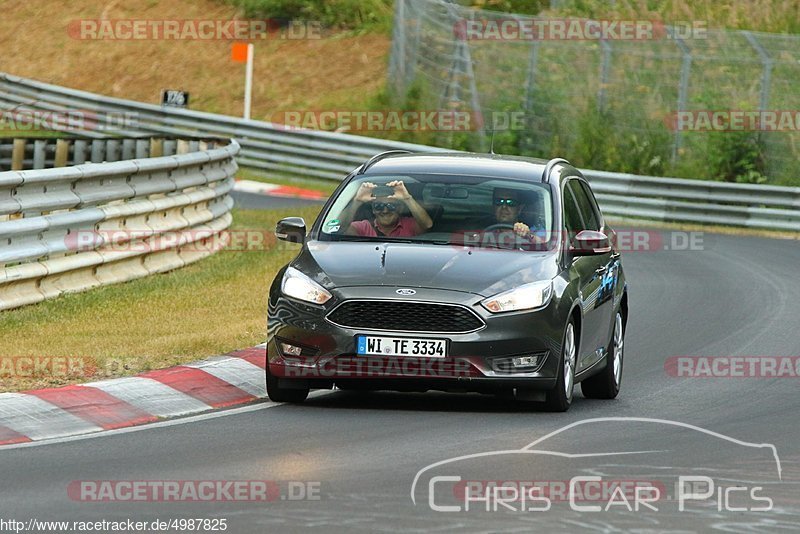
387, 220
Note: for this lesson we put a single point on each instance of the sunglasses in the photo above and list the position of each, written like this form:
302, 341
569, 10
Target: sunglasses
510, 202
380, 206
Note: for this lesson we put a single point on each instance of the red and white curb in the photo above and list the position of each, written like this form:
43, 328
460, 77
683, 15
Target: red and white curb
274, 190
223, 381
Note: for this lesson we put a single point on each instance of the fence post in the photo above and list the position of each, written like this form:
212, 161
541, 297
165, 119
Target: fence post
473, 89
397, 61
530, 86
605, 66
683, 88
414, 50
766, 74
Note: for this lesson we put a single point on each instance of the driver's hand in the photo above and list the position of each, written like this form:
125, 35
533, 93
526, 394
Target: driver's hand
400, 191
365, 192
522, 229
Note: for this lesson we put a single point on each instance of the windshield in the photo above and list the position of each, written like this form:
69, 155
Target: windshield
478, 211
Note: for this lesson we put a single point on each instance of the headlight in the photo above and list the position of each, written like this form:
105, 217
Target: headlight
299, 286
527, 297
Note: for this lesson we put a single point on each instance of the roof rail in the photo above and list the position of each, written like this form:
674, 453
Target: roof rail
549, 167
377, 157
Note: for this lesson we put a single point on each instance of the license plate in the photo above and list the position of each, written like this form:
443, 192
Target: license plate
401, 346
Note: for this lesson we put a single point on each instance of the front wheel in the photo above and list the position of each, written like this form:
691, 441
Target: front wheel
277, 393
559, 398
606, 384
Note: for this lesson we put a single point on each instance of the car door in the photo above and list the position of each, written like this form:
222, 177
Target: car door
590, 272
605, 299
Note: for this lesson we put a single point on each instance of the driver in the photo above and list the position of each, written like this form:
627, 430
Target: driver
386, 213
507, 207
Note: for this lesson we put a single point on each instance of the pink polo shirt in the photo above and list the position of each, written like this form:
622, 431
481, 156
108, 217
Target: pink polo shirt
406, 227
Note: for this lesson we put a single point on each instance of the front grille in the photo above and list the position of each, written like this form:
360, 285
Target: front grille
405, 316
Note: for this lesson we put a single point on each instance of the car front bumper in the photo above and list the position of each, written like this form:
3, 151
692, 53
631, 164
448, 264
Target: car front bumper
476, 361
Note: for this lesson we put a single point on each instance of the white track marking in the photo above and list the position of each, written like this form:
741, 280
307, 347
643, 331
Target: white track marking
37, 419
173, 422
236, 371
151, 396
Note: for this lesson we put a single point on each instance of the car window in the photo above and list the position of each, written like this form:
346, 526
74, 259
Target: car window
595, 207
572, 217
588, 214
472, 210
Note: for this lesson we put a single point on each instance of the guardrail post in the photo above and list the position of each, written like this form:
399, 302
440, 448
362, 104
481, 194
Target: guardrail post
142, 148
98, 151
169, 147
183, 146
18, 155
79, 150
112, 150
39, 154
62, 153
156, 147
128, 149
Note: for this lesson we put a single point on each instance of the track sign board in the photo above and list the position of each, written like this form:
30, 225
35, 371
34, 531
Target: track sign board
174, 99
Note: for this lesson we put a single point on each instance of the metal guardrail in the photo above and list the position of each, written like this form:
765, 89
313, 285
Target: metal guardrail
327, 155
697, 201
264, 145
70, 228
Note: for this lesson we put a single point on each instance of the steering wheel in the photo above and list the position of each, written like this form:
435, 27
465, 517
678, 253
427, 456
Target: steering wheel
499, 226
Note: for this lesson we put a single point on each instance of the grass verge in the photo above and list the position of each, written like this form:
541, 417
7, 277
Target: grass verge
211, 307
323, 186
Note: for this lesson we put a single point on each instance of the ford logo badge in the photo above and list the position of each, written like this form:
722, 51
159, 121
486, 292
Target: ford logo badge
406, 292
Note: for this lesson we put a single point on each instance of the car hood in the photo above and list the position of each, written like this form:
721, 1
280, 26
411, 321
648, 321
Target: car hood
484, 272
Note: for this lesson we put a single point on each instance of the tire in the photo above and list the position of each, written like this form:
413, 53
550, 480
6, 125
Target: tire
279, 394
606, 384
559, 399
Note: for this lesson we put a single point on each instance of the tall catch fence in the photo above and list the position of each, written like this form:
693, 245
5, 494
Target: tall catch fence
607, 101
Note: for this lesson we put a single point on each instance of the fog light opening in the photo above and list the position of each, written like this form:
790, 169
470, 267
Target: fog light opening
520, 362
290, 350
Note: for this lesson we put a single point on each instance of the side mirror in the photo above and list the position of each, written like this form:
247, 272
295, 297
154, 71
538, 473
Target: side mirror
291, 229
590, 243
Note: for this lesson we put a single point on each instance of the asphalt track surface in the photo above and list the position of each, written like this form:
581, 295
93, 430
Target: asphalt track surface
739, 296
250, 201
